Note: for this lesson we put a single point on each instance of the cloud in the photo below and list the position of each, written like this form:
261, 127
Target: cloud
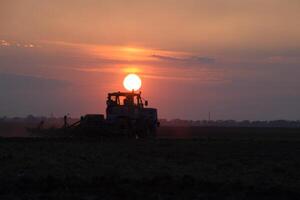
5, 43
25, 94
190, 59
25, 83
184, 78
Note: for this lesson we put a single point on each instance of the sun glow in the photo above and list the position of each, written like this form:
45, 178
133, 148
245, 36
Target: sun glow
132, 82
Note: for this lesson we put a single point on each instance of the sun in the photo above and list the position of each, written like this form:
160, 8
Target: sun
132, 82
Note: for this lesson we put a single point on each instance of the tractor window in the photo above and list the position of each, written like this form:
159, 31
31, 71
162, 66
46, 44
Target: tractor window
136, 100
125, 100
128, 100
122, 99
113, 98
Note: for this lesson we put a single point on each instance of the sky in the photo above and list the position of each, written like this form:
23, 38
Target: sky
235, 59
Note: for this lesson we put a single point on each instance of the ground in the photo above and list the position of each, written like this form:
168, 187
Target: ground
215, 166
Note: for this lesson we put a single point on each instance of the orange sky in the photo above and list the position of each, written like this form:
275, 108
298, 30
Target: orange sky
235, 59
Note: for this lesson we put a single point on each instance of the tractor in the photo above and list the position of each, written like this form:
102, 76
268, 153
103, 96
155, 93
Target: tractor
126, 115
127, 110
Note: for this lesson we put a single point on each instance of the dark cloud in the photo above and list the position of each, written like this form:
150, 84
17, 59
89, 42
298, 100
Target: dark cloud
191, 59
24, 94
15, 82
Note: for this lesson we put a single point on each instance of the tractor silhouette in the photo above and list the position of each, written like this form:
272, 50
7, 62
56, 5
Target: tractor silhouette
127, 115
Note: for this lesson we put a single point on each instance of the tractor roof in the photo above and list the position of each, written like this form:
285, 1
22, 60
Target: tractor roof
124, 94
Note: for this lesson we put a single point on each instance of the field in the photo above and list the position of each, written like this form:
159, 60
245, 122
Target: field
183, 163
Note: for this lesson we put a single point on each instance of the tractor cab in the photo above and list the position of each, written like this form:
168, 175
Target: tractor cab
125, 99
128, 109
120, 105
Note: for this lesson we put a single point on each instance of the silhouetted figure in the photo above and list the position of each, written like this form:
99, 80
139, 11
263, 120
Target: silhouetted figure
128, 101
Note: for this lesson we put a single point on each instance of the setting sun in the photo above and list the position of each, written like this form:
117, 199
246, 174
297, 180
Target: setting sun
132, 82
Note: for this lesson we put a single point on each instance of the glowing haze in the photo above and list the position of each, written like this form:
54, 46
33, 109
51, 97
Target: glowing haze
235, 59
